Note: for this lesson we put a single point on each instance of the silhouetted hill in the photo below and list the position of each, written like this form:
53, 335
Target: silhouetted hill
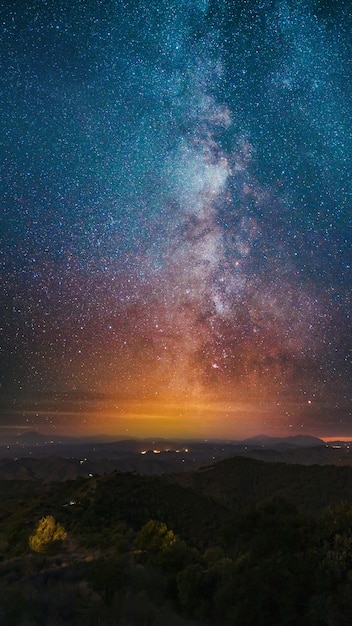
239, 483
54, 468
318, 455
296, 441
34, 457
192, 503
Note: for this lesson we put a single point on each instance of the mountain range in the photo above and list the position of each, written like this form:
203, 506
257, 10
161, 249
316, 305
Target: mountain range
34, 456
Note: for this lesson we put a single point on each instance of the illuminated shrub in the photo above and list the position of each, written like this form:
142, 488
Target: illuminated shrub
154, 537
47, 534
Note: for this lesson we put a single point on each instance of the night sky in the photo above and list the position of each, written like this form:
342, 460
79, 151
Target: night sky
176, 187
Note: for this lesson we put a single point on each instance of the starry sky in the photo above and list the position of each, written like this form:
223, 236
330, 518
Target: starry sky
176, 186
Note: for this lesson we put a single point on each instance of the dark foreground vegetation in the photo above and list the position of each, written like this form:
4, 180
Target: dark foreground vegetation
242, 543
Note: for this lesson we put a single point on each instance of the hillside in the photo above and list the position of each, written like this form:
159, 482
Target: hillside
238, 542
192, 503
239, 483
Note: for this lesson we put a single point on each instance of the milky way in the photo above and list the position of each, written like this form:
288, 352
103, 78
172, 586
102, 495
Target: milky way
176, 217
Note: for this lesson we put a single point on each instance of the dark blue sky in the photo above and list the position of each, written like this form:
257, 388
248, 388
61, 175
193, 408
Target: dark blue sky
176, 216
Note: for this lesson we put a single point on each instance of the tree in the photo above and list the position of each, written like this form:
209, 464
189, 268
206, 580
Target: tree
48, 533
154, 537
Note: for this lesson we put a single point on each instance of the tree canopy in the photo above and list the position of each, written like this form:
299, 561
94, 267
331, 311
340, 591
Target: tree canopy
48, 533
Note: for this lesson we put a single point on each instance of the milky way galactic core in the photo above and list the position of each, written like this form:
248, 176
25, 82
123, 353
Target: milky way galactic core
176, 217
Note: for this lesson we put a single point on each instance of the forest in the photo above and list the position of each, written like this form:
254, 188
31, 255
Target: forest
238, 543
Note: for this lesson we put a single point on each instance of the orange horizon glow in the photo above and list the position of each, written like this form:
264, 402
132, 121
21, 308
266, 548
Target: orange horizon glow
338, 437
191, 418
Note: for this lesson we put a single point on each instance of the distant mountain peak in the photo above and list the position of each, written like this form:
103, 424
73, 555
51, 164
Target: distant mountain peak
298, 441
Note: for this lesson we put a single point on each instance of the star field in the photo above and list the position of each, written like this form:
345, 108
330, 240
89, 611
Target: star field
176, 217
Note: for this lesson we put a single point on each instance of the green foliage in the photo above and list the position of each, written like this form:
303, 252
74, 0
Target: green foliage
16, 536
107, 576
48, 533
154, 537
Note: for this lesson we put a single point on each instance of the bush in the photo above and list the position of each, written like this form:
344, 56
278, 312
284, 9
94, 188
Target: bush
48, 534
